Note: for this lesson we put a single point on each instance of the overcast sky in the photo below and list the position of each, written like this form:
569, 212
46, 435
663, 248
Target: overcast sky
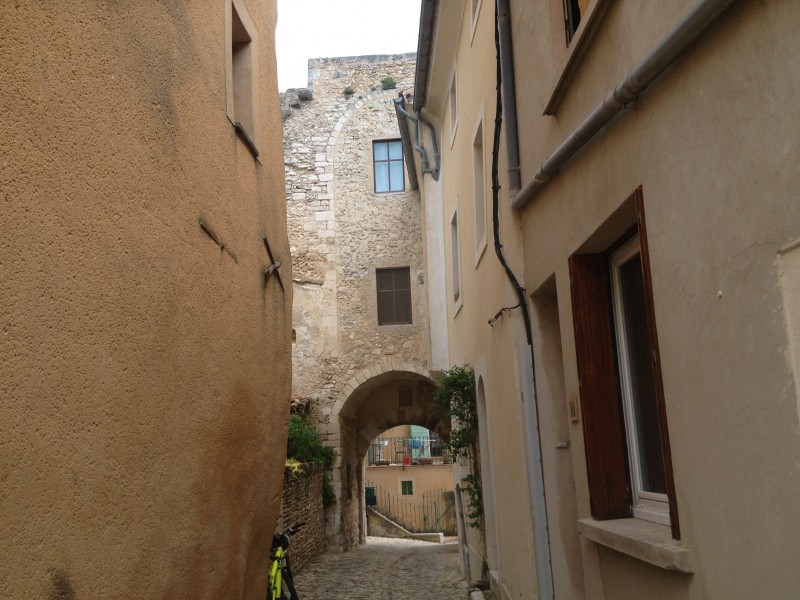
325, 28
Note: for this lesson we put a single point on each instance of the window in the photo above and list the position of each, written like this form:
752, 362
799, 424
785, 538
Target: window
637, 385
394, 296
454, 261
573, 11
407, 488
479, 192
387, 160
622, 400
453, 104
242, 73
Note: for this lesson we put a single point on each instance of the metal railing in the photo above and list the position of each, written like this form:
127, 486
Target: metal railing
408, 451
434, 511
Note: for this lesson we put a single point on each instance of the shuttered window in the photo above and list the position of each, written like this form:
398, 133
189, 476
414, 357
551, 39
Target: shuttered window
394, 296
624, 415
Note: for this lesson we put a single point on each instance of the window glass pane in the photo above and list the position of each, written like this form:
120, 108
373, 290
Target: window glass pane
385, 308
637, 343
402, 306
395, 150
382, 177
380, 151
385, 279
396, 175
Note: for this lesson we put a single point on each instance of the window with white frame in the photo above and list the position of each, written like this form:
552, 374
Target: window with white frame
637, 385
387, 163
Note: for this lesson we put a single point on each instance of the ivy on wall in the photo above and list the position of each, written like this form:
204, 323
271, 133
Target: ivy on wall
455, 400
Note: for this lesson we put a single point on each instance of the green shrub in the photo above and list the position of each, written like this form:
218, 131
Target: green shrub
388, 83
304, 444
348, 91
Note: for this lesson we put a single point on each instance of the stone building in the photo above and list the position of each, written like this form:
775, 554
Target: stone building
144, 356
360, 316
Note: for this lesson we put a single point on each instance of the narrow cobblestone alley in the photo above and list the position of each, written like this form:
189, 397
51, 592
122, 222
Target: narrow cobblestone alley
385, 569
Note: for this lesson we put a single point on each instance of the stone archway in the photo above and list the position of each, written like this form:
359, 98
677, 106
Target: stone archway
367, 406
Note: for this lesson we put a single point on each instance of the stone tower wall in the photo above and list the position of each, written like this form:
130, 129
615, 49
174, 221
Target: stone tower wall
340, 232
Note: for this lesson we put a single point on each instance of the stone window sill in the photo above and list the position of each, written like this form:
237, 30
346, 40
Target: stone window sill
649, 542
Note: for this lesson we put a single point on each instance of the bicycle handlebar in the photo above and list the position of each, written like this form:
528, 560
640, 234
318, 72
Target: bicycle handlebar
293, 529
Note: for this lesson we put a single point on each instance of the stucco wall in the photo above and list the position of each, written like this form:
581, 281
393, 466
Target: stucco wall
710, 143
144, 373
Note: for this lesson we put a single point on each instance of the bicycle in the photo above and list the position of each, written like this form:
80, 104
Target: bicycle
281, 581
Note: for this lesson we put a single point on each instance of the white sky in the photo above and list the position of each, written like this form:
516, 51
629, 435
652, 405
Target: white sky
326, 28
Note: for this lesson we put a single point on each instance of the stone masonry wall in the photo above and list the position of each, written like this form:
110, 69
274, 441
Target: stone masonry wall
340, 232
302, 501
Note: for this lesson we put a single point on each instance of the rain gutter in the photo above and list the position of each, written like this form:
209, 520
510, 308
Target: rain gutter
683, 35
405, 138
509, 95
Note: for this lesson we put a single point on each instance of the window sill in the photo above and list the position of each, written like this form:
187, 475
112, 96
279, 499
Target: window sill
649, 542
245, 137
577, 48
457, 304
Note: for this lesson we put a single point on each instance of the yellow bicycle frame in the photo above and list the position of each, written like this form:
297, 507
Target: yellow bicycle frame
276, 574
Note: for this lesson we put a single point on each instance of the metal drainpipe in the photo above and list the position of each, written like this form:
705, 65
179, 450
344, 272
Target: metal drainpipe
436, 154
691, 27
399, 105
530, 407
509, 95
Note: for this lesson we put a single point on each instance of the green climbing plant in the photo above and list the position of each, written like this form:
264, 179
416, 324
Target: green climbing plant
455, 400
304, 446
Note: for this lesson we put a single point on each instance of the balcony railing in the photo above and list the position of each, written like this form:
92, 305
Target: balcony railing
408, 451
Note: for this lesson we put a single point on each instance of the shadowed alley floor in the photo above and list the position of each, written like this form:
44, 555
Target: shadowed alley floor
385, 569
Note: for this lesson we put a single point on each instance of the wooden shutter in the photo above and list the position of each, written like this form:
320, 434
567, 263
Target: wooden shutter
603, 421
657, 380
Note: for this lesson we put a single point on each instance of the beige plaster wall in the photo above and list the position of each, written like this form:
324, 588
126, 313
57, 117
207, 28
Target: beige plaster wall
425, 478
484, 290
144, 373
713, 145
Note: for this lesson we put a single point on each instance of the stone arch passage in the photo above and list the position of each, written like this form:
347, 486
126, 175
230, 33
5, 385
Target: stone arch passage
366, 410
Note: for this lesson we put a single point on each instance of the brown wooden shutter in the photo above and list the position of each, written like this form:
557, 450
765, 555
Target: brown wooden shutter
659, 385
603, 422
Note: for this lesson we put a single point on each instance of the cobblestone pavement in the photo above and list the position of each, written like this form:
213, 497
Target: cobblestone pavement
385, 569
